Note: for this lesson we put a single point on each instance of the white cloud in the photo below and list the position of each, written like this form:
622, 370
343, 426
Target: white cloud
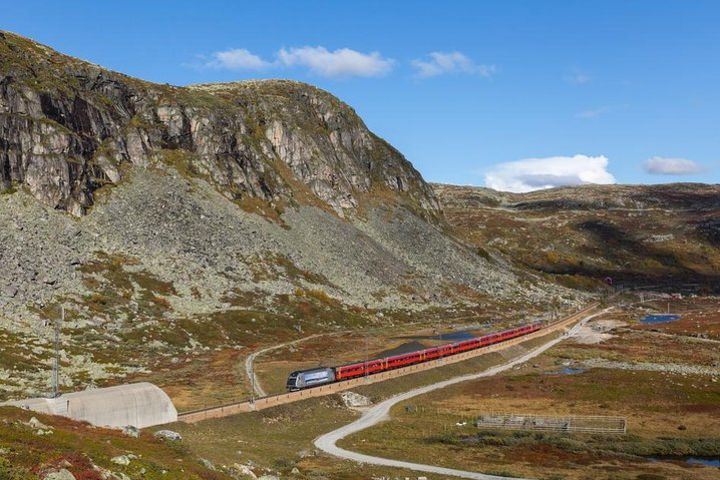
539, 173
440, 63
594, 113
237, 59
671, 166
342, 62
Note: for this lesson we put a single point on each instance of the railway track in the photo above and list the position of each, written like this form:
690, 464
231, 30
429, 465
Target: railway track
284, 398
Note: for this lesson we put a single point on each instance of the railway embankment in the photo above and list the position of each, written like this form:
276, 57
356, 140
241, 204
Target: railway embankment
285, 398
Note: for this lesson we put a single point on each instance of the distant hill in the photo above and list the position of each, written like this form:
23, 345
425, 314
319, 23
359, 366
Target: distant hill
635, 234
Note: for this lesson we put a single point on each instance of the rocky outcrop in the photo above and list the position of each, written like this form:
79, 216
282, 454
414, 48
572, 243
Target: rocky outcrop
67, 127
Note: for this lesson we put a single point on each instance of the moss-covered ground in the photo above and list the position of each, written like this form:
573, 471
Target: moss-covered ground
87, 452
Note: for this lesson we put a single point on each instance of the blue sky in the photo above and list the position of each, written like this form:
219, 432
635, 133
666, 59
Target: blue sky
517, 94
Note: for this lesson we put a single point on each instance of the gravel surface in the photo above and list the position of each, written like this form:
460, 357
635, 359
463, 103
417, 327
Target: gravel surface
654, 367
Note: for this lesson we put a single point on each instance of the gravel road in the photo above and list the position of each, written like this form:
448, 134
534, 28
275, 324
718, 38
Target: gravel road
250, 361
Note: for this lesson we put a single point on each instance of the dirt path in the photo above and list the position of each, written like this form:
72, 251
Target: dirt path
250, 361
380, 412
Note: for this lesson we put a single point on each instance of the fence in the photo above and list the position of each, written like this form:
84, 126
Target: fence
571, 424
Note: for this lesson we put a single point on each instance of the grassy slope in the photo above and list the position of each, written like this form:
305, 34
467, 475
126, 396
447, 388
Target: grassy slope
635, 234
86, 451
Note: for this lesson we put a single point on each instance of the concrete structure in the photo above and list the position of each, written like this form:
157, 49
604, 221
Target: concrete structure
138, 404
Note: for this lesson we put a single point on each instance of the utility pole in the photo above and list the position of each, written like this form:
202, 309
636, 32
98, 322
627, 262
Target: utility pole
56, 360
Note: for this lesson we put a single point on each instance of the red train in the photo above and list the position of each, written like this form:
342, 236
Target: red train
318, 376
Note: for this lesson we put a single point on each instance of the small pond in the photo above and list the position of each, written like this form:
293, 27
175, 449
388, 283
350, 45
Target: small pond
567, 371
454, 336
706, 461
407, 347
660, 318
450, 336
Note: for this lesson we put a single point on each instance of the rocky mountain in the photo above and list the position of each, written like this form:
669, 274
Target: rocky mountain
69, 127
179, 226
636, 235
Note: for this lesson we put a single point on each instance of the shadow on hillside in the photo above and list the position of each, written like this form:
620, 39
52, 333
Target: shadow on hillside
634, 260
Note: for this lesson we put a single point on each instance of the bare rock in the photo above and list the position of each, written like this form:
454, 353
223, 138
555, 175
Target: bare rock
355, 400
121, 460
168, 435
35, 423
62, 474
10, 291
244, 470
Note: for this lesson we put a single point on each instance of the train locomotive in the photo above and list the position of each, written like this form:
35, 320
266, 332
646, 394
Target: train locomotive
301, 379
310, 378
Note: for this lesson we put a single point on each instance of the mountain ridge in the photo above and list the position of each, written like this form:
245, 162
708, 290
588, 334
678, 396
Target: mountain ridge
638, 234
70, 126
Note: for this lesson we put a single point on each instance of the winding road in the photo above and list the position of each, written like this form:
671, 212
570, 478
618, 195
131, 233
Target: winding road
250, 360
380, 412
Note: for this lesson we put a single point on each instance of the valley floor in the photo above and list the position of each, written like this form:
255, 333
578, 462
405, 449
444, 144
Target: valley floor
645, 374
669, 411
663, 378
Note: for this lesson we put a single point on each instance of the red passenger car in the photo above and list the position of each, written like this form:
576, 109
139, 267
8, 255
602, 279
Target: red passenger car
370, 367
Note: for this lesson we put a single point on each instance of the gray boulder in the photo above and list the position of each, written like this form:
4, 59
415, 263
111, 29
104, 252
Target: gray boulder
168, 435
121, 460
60, 475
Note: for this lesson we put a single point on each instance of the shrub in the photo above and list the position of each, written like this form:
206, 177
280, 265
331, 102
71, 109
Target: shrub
9, 472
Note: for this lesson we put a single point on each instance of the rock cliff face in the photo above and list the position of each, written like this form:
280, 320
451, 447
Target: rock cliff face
68, 127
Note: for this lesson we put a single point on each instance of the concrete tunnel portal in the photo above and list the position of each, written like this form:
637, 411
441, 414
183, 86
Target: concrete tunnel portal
139, 405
